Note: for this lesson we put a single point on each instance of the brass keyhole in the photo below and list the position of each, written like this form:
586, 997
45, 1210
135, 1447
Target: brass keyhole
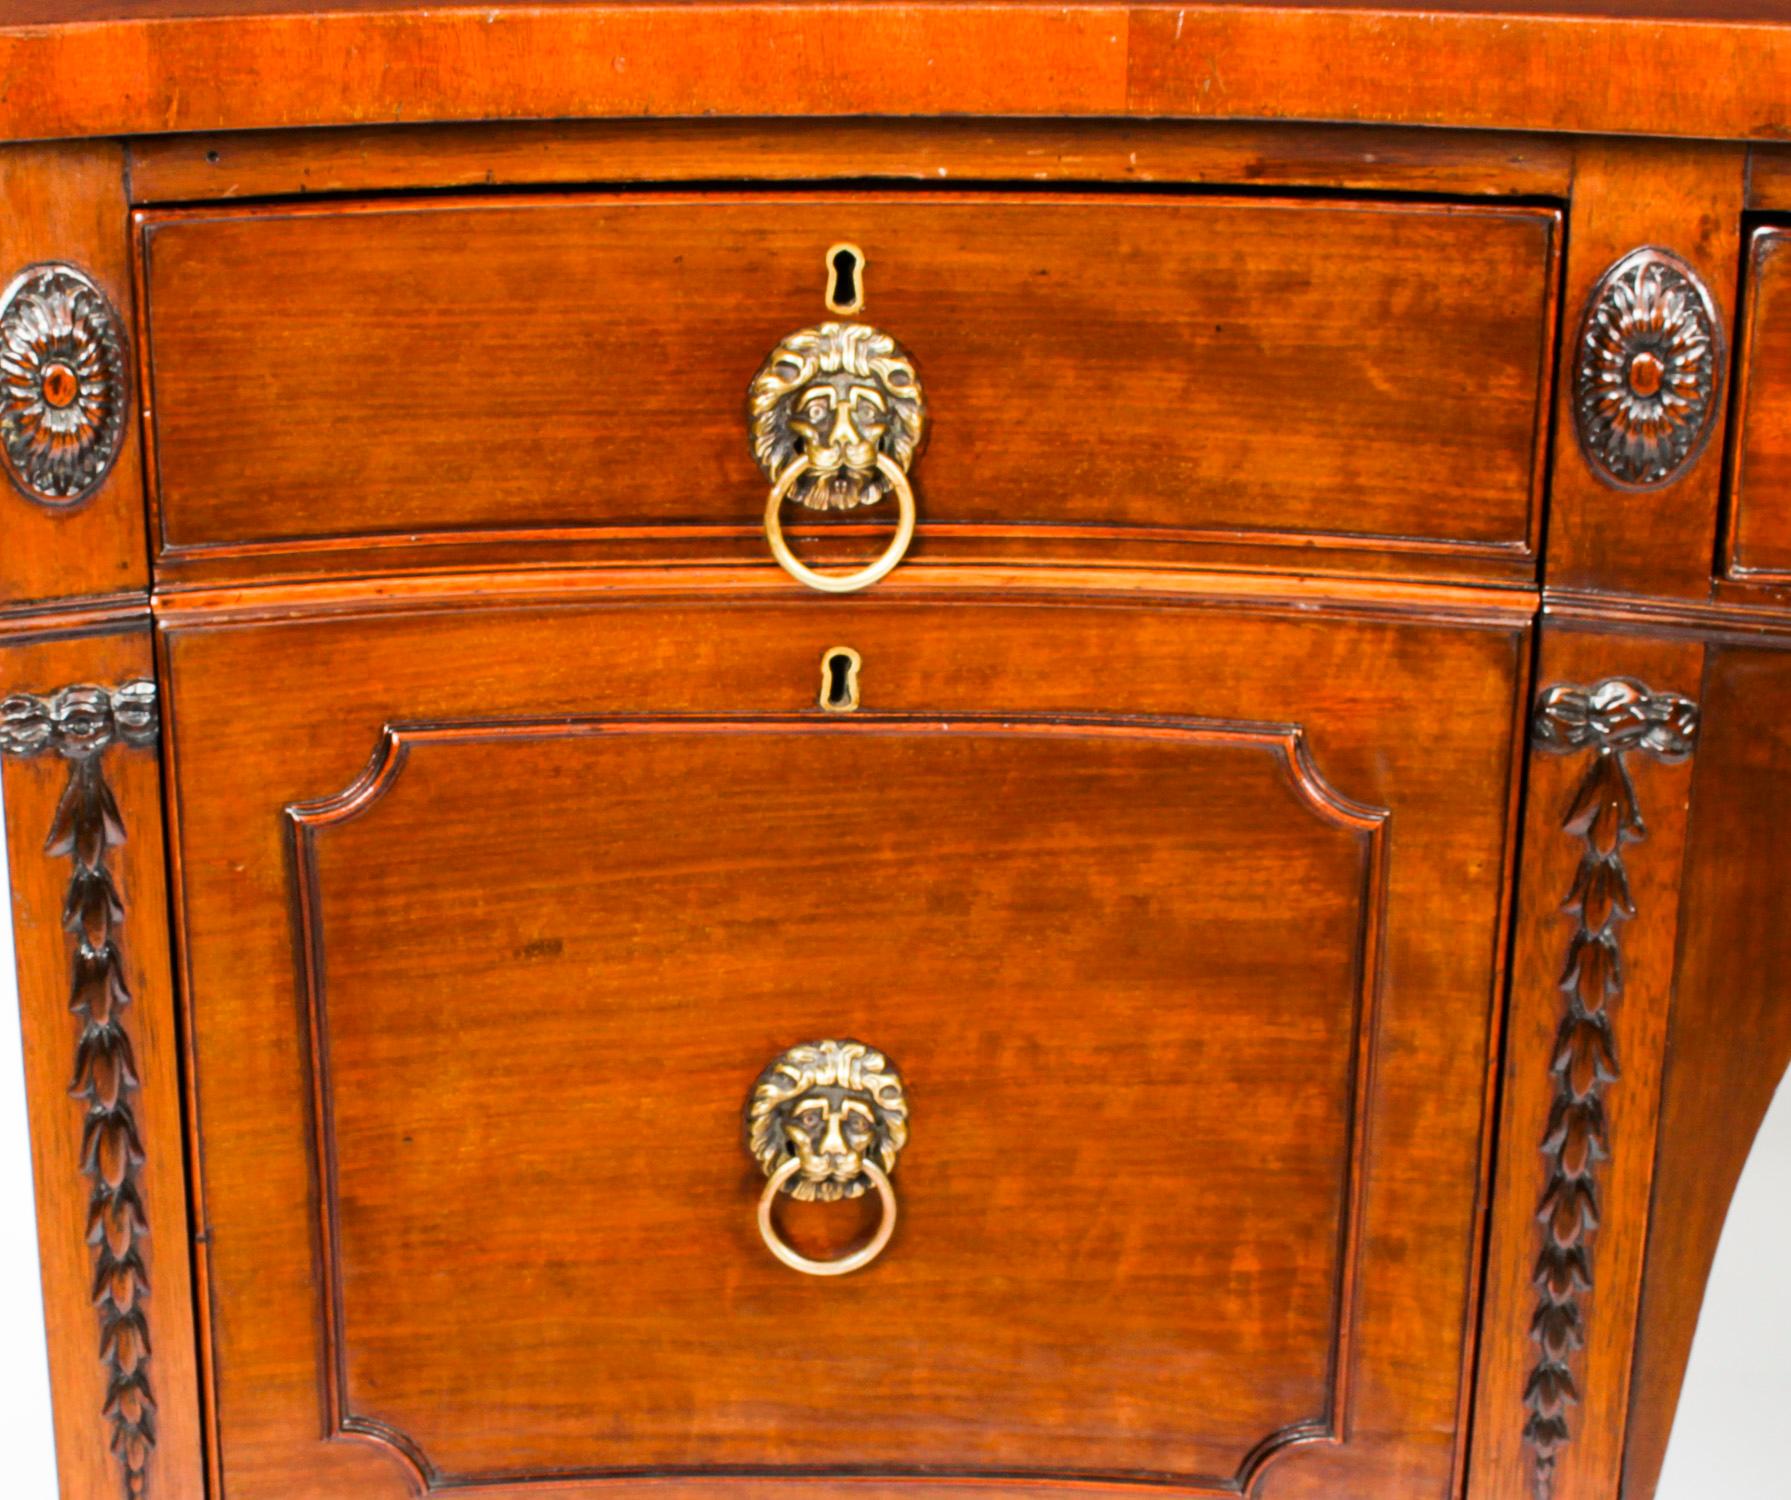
839, 679
845, 279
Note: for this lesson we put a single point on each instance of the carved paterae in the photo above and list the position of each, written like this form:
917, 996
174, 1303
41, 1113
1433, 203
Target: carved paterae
1647, 371
64, 384
79, 724
1613, 719
833, 1106
838, 394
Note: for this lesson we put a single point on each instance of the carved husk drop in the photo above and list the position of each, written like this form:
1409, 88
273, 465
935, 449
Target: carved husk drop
86, 827
78, 724
1611, 719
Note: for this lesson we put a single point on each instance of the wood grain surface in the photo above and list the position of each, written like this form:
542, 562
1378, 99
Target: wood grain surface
40, 884
1096, 1138
1149, 370
1686, 199
1589, 1465
67, 203
1632, 67
576, 153
1729, 1040
1758, 539
1179, 847
550, 954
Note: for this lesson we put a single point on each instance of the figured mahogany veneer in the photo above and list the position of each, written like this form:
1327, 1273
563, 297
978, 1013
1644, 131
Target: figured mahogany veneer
1714, 1093
102, 1071
1698, 68
956, 835
1759, 531
64, 203
1305, 820
1113, 377
1193, 1179
575, 153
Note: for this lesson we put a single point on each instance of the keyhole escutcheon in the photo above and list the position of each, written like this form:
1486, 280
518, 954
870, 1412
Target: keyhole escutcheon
839, 679
845, 278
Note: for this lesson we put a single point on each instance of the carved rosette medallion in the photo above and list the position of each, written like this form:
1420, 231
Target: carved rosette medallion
1648, 369
1613, 719
64, 384
79, 724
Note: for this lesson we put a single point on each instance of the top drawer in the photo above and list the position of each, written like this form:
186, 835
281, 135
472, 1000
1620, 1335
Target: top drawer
1759, 541
1160, 379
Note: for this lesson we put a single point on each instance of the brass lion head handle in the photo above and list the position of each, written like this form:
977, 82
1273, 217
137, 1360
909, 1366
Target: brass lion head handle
826, 1121
837, 420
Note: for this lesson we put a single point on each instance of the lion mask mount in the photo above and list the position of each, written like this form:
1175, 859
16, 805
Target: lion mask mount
839, 395
833, 1105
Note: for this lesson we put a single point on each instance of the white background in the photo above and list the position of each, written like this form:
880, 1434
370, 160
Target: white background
1737, 1394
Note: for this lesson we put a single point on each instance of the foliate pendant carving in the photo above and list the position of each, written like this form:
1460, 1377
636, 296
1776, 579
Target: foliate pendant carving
64, 384
1613, 719
1648, 368
78, 724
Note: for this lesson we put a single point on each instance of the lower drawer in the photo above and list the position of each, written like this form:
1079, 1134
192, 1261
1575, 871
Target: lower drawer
1177, 924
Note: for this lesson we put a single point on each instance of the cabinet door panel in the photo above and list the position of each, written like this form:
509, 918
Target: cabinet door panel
1182, 936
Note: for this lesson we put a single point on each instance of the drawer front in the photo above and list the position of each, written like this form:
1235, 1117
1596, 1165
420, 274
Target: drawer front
1165, 378
1760, 493
1179, 924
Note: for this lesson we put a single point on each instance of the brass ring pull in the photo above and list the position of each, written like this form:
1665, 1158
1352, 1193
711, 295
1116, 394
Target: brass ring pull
856, 1260
840, 583
838, 419
825, 1122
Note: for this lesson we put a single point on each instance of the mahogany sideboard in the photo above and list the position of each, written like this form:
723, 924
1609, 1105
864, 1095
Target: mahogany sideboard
900, 750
